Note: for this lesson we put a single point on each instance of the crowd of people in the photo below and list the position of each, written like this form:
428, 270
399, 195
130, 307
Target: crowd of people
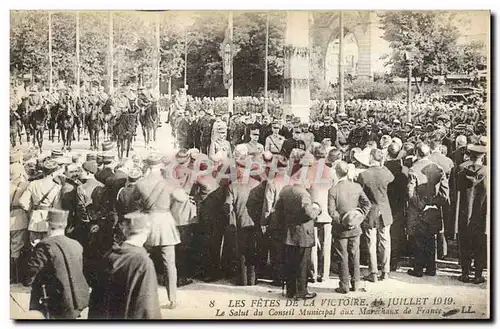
250, 197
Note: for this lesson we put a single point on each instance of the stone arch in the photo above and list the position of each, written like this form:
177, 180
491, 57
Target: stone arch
351, 57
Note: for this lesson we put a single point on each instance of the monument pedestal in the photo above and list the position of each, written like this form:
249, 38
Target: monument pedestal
296, 71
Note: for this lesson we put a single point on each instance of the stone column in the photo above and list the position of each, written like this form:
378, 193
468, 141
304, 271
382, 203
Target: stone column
364, 36
296, 71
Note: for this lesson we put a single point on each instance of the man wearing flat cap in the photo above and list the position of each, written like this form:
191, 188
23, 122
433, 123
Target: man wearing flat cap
39, 196
472, 207
127, 286
55, 273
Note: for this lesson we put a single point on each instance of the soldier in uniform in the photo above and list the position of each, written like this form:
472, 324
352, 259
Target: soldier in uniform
55, 272
39, 196
144, 99
472, 213
254, 147
156, 195
293, 143
128, 197
219, 146
206, 124
274, 142
328, 131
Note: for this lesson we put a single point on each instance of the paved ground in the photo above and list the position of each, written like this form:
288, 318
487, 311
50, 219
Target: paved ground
202, 300
220, 299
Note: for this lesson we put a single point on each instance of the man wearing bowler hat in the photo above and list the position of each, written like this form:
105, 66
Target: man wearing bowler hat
55, 272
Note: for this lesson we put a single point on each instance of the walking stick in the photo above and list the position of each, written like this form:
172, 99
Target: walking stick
44, 300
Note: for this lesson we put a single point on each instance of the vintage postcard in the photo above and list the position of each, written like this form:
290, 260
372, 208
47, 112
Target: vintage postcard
250, 164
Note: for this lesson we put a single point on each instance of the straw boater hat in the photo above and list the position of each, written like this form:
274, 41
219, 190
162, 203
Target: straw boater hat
363, 157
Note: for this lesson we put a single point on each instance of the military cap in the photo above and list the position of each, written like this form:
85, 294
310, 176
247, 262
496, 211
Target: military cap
328, 119
418, 127
57, 217
396, 122
344, 123
137, 221
343, 115
409, 124
276, 124
107, 146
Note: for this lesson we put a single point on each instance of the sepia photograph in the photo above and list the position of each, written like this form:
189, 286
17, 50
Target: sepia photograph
250, 165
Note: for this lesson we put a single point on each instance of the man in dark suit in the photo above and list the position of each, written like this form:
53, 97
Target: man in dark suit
296, 213
397, 192
240, 206
328, 131
427, 191
447, 164
343, 198
472, 214
127, 286
377, 225
55, 269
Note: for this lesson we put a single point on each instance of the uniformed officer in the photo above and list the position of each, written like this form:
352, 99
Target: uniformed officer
293, 143
274, 142
254, 147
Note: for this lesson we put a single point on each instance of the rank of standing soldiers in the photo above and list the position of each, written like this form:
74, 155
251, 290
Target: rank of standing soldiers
252, 198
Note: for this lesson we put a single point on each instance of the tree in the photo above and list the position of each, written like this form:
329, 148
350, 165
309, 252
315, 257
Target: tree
29, 43
430, 36
469, 58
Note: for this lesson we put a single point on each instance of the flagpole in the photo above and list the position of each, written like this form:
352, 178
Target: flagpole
230, 90
266, 101
78, 54
50, 52
110, 54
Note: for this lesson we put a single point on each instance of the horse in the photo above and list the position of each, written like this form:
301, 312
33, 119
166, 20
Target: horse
80, 117
149, 122
108, 119
37, 120
66, 123
93, 121
22, 110
52, 122
124, 130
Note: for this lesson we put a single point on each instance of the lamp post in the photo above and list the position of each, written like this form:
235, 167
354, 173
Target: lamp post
408, 59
